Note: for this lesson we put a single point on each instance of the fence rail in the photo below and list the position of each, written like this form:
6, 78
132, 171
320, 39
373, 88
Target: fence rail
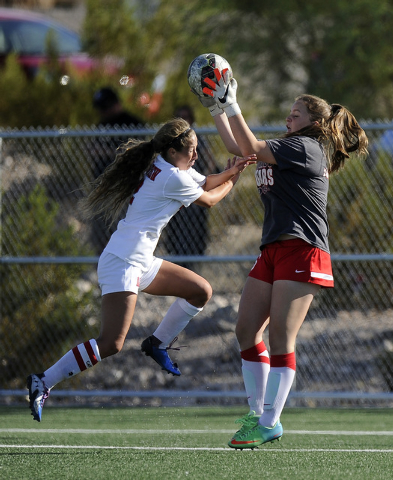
193, 258
50, 299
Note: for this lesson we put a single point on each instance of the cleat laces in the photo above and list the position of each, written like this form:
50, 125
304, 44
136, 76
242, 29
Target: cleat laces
247, 420
169, 347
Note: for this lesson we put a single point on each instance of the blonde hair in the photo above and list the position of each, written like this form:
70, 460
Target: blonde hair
336, 128
110, 192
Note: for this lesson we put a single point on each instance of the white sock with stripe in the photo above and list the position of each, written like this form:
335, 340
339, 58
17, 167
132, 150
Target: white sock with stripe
77, 360
279, 383
255, 369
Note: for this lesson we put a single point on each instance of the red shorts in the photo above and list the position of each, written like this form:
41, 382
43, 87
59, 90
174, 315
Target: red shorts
294, 260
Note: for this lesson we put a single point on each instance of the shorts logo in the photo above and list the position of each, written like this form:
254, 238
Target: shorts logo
299, 271
138, 282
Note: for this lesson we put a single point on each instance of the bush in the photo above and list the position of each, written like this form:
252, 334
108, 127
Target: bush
46, 102
43, 305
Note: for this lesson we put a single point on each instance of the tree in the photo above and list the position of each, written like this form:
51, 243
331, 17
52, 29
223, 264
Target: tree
43, 307
123, 34
44, 101
337, 50
277, 49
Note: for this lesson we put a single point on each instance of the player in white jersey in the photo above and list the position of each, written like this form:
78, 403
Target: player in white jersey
156, 178
292, 178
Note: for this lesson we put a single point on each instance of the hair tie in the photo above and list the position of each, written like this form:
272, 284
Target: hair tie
334, 108
182, 134
179, 137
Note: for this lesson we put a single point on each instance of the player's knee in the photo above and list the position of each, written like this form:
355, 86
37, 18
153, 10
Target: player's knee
201, 294
206, 292
108, 348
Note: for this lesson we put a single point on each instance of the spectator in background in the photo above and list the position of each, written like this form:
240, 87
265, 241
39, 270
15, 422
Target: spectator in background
187, 232
111, 111
111, 115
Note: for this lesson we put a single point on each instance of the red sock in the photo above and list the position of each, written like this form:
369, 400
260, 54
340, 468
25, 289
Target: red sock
285, 360
279, 383
255, 369
257, 353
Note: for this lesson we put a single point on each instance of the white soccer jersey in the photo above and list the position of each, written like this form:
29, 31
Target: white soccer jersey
165, 189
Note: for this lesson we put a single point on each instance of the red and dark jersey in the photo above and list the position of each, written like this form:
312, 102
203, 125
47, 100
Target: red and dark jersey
294, 192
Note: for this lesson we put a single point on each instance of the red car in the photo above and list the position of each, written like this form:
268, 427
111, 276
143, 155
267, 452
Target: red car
26, 33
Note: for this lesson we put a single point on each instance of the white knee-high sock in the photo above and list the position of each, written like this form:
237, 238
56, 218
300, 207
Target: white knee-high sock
175, 320
279, 383
255, 369
77, 360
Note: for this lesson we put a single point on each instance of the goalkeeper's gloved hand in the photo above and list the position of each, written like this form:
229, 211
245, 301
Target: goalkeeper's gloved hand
211, 104
223, 92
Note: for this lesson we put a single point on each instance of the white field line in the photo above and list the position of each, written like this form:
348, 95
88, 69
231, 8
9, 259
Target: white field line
227, 449
221, 449
185, 431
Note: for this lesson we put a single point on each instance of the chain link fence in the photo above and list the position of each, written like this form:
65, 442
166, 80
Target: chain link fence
50, 300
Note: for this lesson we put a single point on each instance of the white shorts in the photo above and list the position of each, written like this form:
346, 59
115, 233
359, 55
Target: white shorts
116, 275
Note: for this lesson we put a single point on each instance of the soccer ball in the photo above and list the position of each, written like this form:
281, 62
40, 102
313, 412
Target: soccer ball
203, 66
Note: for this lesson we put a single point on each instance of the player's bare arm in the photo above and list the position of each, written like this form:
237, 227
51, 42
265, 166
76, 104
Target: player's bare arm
234, 167
247, 141
211, 197
234, 130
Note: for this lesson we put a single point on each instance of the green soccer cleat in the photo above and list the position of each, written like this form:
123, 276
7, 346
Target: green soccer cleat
248, 421
256, 436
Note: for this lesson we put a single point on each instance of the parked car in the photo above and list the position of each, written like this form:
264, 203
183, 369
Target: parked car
26, 33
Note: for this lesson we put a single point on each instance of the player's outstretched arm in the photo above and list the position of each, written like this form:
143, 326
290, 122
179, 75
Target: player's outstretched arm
247, 141
219, 185
224, 93
234, 167
226, 134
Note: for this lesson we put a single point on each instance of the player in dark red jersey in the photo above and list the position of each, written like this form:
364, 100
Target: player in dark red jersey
292, 178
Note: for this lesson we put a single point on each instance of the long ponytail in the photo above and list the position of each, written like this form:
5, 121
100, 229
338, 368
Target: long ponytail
346, 136
336, 127
115, 186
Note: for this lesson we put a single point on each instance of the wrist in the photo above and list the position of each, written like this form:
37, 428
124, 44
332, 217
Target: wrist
232, 110
215, 110
234, 179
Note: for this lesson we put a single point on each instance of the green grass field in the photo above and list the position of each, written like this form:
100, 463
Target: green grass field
191, 443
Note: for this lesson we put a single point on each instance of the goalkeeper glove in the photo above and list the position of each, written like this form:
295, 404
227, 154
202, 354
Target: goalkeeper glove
223, 92
211, 104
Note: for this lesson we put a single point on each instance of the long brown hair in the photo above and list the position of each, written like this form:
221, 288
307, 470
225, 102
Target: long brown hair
119, 181
336, 128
